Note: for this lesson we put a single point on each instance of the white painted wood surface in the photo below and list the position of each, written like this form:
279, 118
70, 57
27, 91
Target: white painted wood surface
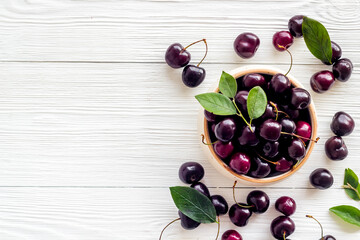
92, 120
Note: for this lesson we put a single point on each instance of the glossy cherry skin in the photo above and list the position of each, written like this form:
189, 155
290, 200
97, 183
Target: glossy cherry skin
300, 98
262, 169
336, 149
176, 57
191, 172
328, 237
246, 44
248, 136
286, 205
295, 25
296, 149
259, 200
322, 81
287, 125
186, 222
239, 215
241, 100
270, 149
202, 188
342, 124
342, 69
270, 130
336, 53
225, 130
220, 204
269, 112
231, 235
283, 39
283, 165
303, 129
193, 76
240, 163
279, 83
281, 225
321, 178
293, 113
252, 80
210, 116
223, 149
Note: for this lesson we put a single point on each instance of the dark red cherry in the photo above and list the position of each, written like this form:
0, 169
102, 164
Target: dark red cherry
240, 163
342, 69
321, 178
259, 200
284, 39
223, 149
241, 100
231, 235
286, 205
191, 172
282, 225
279, 84
252, 80
239, 215
220, 204
287, 125
322, 81
296, 149
193, 76
293, 113
202, 188
300, 98
262, 169
342, 124
303, 129
270, 149
295, 25
269, 112
225, 130
246, 44
248, 136
210, 116
176, 56
336, 149
270, 130
336, 53
187, 223
283, 165
328, 237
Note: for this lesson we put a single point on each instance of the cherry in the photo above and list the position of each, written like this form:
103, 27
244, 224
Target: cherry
293, 113
241, 100
231, 235
259, 200
246, 44
225, 130
279, 84
303, 129
336, 53
223, 149
342, 69
322, 81
342, 124
252, 80
327, 237
220, 204
270, 112
201, 188
239, 215
286, 205
282, 227
191, 172
262, 168
193, 76
270, 149
248, 136
287, 125
187, 223
176, 56
295, 25
283, 165
210, 116
300, 98
282, 40
335, 148
270, 130
321, 178
240, 163
296, 149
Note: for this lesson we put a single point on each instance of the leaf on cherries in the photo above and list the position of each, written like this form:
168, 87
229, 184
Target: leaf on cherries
216, 103
256, 102
228, 85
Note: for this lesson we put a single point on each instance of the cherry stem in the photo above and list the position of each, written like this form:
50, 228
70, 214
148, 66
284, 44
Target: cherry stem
291, 63
243, 206
167, 226
276, 110
348, 186
202, 40
203, 140
242, 116
286, 115
218, 231
284, 235
295, 135
276, 163
322, 231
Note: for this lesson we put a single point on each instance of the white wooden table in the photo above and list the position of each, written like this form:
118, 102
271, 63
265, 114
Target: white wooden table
94, 125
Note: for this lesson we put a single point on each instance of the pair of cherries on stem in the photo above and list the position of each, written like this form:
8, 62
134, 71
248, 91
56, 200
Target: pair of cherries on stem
177, 56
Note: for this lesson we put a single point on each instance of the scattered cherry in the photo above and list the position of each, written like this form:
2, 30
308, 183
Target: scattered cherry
223, 149
286, 205
240, 163
187, 223
220, 204
176, 56
295, 25
300, 98
231, 235
342, 124
225, 130
252, 80
327, 237
321, 178
336, 53
193, 76
262, 169
282, 227
259, 201
202, 188
282, 40
342, 69
335, 148
322, 81
246, 44
239, 215
191, 172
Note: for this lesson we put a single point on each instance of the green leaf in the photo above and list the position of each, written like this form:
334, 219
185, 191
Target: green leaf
228, 85
347, 213
353, 180
256, 102
216, 103
193, 204
317, 39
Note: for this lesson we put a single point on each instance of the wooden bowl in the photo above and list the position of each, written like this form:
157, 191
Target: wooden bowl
224, 168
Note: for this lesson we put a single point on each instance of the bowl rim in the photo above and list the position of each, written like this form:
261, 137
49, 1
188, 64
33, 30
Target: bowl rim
224, 168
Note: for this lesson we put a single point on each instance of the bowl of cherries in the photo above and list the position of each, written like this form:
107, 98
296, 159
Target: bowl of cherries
271, 132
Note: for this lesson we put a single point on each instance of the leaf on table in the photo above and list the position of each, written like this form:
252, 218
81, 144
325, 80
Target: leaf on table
347, 213
228, 85
352, 179
216, 103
